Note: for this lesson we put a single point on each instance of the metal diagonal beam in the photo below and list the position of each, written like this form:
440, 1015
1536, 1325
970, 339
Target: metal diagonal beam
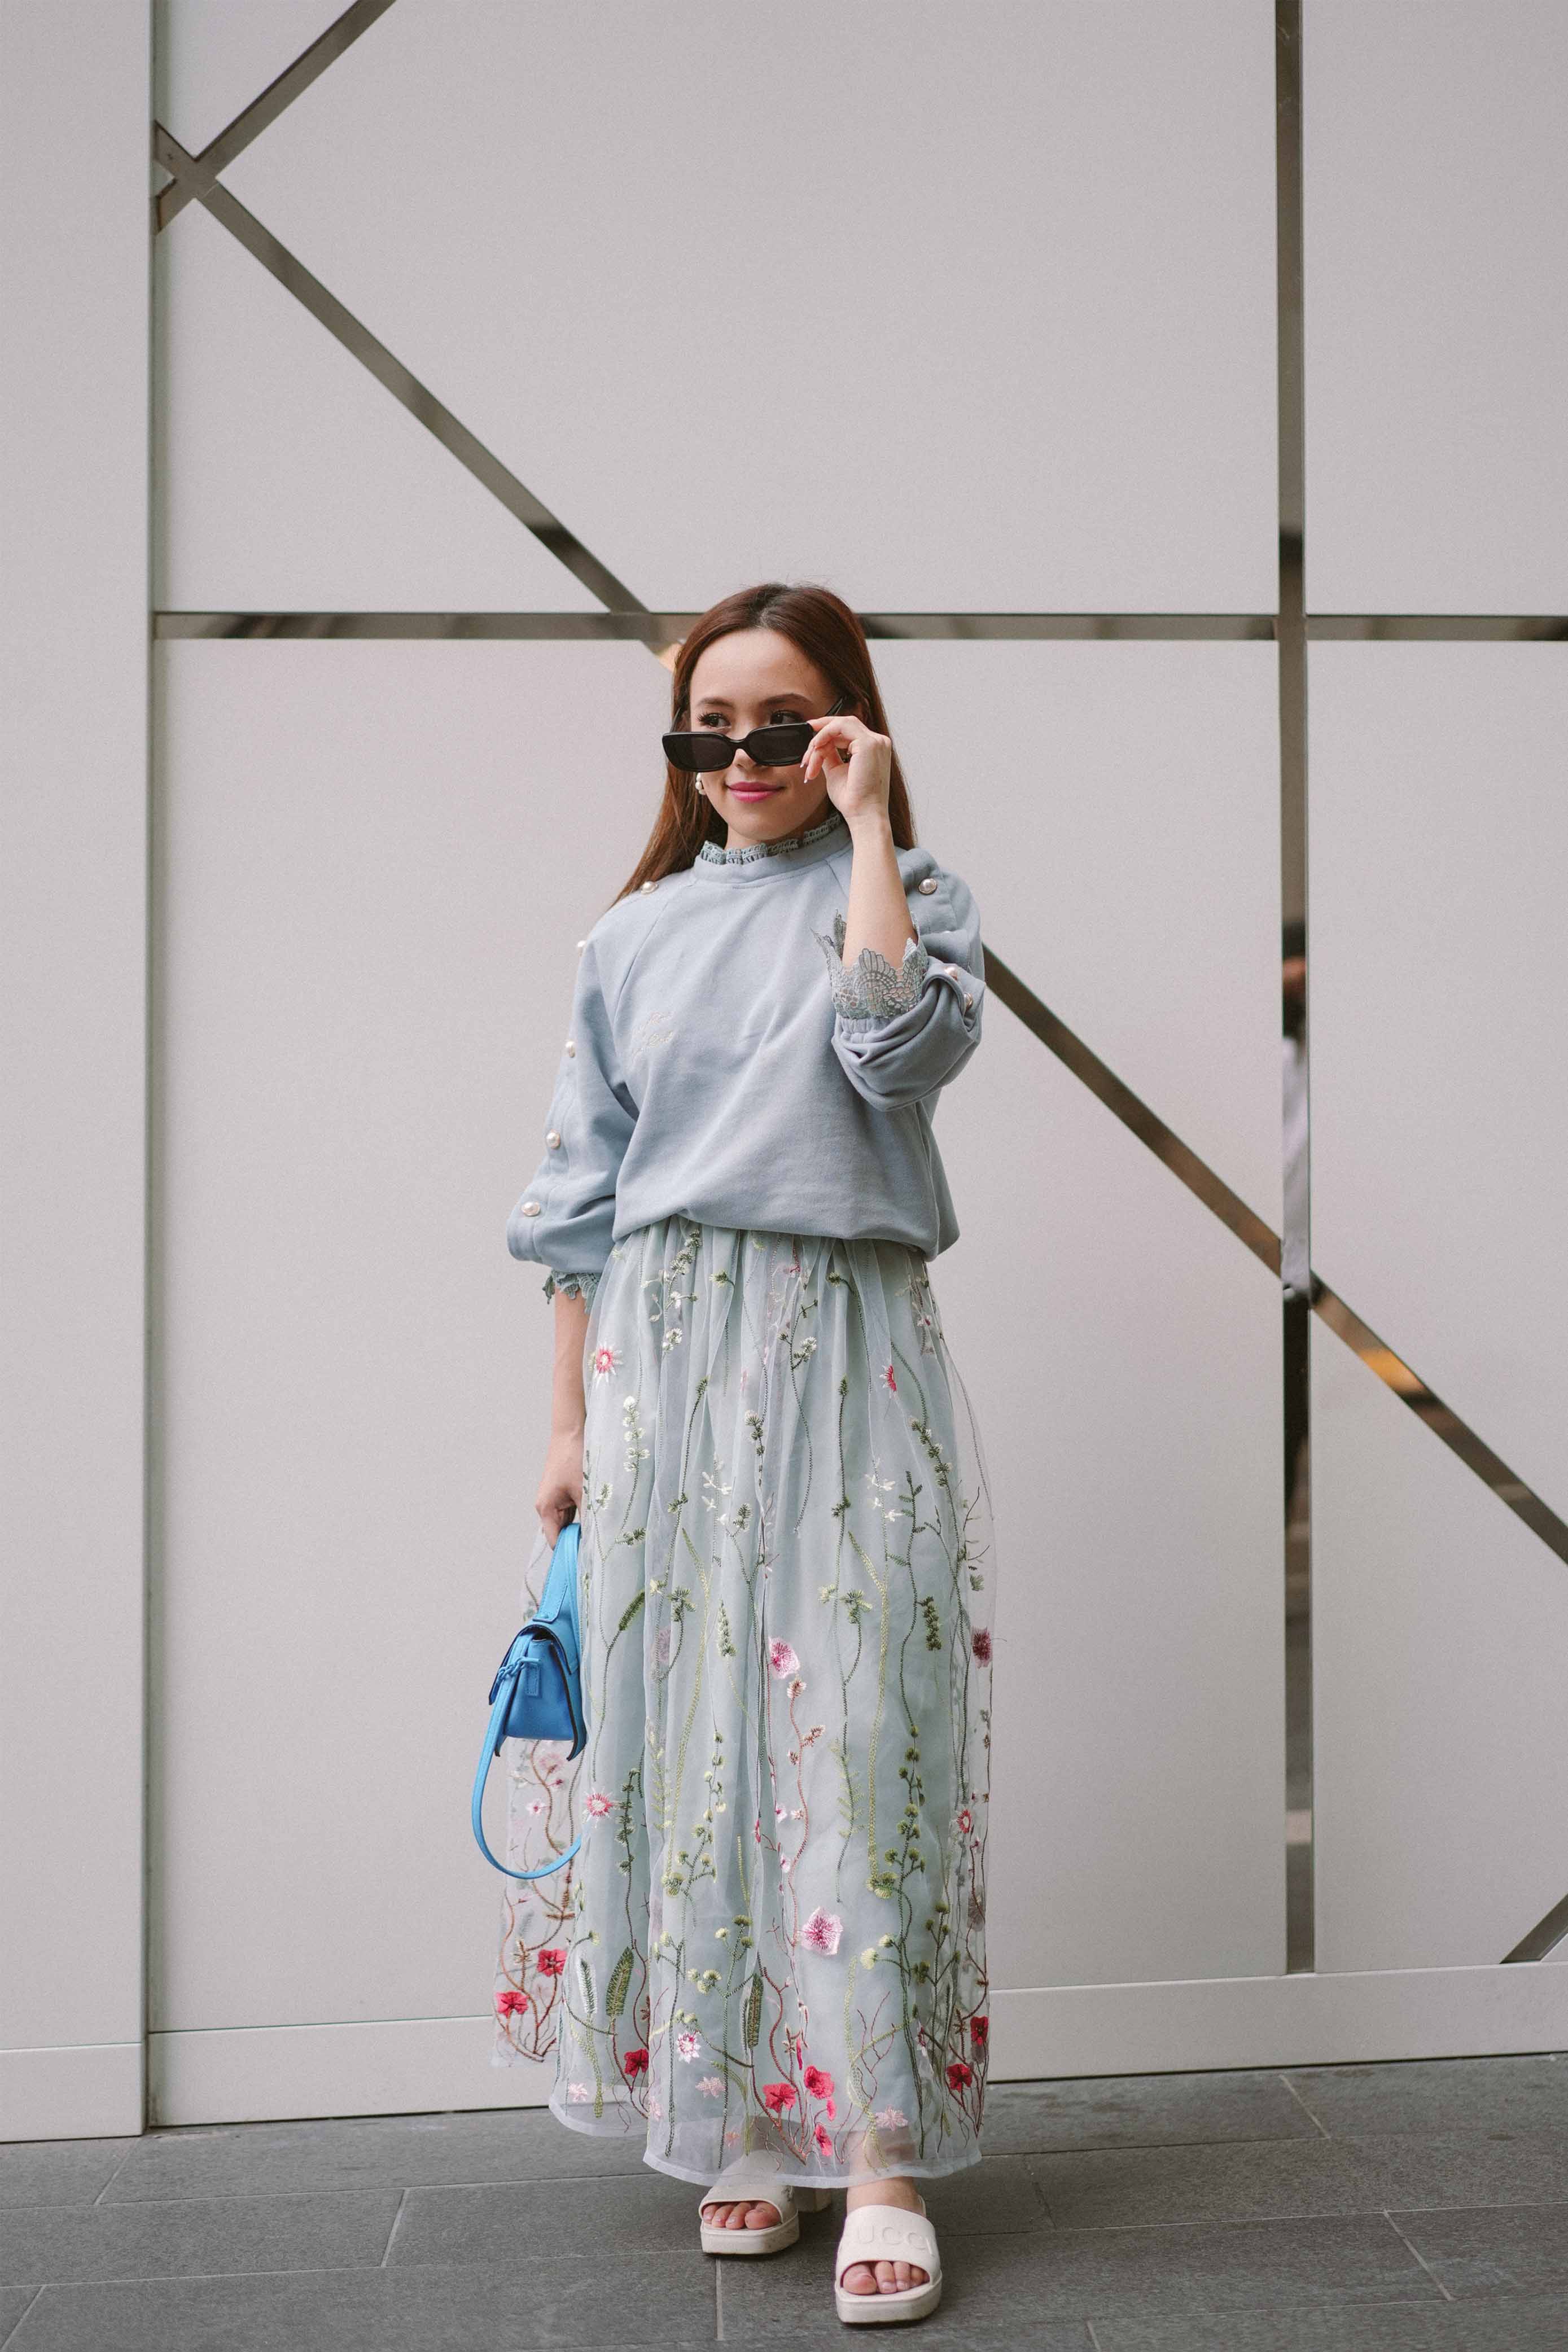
1231, 1210
1145, 1124
1545, 1933
405, 386
1441, 1419
203, 170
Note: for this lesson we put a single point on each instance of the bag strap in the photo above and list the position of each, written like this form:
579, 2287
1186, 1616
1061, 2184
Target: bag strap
486, 1758
558, 1600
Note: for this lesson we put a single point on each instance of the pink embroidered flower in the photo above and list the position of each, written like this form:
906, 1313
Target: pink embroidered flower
818, 2083
634, 2063
781, 1658
823, 2138
777, 2096
966, 1821
711, 2087
958, 2073
552, 1960
822, 1932
511, 2003
979, 2031
887, 1375
891, 2118
597, 1803
687, 2046
604, 1362
980, 1642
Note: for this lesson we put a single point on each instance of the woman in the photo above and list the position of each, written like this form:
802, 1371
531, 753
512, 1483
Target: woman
768, 1955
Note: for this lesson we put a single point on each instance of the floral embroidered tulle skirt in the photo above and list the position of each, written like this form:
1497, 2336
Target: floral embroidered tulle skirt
772, 1935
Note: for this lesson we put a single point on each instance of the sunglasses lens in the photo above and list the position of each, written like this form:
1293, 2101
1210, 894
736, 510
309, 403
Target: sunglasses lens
696, 752
780, 747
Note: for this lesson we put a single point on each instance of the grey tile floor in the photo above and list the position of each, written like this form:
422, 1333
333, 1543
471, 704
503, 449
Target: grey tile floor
1412, 2207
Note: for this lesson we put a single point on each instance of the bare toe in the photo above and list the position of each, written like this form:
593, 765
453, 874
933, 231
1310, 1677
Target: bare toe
724, 2213
860, 2279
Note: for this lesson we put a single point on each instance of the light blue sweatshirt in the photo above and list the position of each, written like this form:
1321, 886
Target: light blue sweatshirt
719, 1068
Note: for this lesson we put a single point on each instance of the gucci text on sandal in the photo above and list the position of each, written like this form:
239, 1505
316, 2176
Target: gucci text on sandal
887, 2233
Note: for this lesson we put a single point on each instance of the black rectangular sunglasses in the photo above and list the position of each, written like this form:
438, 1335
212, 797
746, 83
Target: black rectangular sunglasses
766, 747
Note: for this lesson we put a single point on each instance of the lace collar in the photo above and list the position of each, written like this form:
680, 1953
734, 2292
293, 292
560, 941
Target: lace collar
749, 851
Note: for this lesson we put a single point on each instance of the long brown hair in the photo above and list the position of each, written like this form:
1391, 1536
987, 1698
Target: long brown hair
830, 636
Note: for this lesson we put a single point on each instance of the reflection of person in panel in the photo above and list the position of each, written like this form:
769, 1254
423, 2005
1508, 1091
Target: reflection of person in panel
1294, 1270
766, 1964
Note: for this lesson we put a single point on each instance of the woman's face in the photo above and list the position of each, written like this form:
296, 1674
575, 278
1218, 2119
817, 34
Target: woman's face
756, 677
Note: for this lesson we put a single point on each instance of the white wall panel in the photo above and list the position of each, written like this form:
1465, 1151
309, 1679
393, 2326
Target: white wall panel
1124, 1351
293, 482
213, 57
1437, 337
983, 319
73, 1058
375, 862
1118, 807
1440, 1652
1438, 876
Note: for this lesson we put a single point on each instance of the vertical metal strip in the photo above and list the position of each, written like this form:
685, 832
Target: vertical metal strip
1290, 633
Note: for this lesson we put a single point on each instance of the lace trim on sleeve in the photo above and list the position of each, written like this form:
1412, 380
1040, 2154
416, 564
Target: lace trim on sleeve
870, 988
571, 1286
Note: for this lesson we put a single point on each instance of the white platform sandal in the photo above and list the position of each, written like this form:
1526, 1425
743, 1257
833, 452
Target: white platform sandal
756, 2179
887, 2233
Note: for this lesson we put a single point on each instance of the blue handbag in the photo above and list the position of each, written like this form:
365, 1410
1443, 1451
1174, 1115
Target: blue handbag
538, 1690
